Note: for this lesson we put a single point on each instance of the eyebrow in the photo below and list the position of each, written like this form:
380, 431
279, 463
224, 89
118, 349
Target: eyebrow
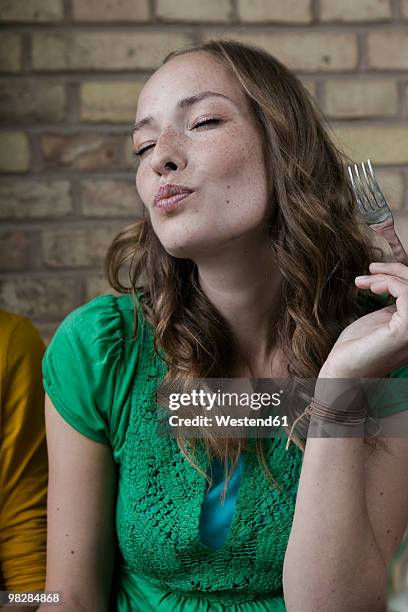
184, 103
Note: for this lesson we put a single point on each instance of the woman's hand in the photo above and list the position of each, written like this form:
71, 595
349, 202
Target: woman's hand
377, 343
386, 229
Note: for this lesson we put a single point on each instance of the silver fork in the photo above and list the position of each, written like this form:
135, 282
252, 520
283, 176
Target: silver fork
374, 208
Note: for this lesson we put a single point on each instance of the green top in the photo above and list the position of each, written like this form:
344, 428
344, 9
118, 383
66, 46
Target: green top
103, 383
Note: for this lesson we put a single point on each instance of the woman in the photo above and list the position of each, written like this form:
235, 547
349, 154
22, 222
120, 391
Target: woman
250, 248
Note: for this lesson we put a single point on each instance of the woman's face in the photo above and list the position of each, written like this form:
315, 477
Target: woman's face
209, 147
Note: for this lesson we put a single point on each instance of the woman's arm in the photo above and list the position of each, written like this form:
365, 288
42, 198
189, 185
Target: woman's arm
351, 512
81, 502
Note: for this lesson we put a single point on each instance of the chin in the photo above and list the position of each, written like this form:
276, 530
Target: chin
180, 242
179, 253
187, 250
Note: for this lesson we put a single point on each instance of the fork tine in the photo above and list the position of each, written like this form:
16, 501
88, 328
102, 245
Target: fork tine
369, 197
360, 203
356, 193
352, 181
377, 186
362, 190
369, 182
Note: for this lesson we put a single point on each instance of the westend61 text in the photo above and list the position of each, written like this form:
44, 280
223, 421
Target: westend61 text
227, 421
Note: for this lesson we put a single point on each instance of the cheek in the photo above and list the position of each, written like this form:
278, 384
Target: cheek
236, 165
236, 155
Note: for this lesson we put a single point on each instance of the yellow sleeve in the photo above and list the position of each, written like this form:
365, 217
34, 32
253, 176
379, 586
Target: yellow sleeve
23, 458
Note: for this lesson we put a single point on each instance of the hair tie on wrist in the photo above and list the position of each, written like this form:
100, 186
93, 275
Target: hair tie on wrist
292, 436
351, 416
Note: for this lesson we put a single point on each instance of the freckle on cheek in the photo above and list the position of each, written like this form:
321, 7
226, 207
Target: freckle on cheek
227, 201
228, 186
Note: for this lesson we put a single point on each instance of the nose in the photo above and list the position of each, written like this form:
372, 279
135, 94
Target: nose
168, 155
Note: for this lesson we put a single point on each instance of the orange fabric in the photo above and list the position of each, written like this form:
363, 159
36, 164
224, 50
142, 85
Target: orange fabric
23, 456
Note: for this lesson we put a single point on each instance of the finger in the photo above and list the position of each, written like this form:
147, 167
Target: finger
395, 268
381, 283
367, 280
379, 287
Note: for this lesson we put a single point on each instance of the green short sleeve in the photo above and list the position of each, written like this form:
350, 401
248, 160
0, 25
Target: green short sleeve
80, 366
394, 396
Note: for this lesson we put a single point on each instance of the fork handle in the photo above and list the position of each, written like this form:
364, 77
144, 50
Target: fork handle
387, 231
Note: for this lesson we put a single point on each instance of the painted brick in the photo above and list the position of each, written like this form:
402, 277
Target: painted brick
388, 50
14, 152
34, 199
110, 198
31, 10
383, 144
77, 247
81, 151
110, 11
31, 101
15, 249
279, 11
305, 51
39, 296
193, 10
110, 101
104, 50
350, 10
361, 98
10, 52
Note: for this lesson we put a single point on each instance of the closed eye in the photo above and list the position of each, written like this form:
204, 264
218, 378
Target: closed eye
204, 122
208, 121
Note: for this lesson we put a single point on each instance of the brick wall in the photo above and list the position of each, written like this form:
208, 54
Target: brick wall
71, 71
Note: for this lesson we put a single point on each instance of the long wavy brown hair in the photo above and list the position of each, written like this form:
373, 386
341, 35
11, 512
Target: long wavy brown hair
316, 238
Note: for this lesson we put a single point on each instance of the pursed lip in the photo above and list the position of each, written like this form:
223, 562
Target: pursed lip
169, 190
